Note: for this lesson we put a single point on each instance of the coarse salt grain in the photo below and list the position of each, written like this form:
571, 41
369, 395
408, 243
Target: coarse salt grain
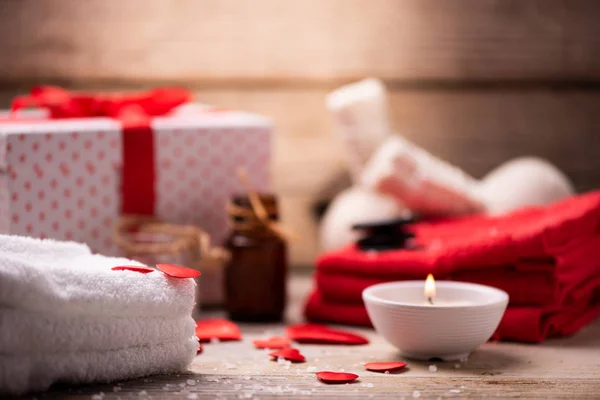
454, 391
370, 385
143, 393
96, 397
457, 366
432, 368
311, 369
182, 384
191, 382
116, 389
192, 396
416, 394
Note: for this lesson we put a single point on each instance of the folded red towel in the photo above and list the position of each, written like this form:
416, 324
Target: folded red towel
517, 282
522, 324
546, 256
555, 233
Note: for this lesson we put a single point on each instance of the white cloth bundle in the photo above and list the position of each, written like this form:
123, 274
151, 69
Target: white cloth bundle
66, 316
423, 183
394, 177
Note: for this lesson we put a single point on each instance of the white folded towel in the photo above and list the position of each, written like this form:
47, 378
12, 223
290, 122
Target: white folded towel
25, 373
84, 284
66, 316
27, 333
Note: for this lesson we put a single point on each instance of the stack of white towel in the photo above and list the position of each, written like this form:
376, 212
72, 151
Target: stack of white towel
66, 316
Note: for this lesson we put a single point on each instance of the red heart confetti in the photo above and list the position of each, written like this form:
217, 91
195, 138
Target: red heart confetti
336, 377
177, 271
289, 354
134, 268
384, 366
315, 333
276, 342
220, 329
200, 349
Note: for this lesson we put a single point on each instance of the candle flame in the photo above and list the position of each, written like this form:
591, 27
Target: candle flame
430, 288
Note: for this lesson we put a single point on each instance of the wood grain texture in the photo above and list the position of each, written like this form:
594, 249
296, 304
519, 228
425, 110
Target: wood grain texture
559, 369
270, 40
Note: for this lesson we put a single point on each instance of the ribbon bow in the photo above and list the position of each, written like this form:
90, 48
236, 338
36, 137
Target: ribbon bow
132, 109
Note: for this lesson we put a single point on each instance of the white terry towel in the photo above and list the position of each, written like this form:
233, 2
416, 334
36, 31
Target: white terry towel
30, 333
20, 374
84, 284
66, 316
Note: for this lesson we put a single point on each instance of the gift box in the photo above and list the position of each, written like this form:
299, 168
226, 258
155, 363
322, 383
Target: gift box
72, 173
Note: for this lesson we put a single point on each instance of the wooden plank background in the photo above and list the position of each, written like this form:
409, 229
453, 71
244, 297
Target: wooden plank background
476, 82
275, 40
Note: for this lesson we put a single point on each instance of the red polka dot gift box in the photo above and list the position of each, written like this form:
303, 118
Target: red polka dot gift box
71, 172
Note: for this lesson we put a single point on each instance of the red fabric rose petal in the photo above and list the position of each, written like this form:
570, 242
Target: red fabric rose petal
221, 329
289, 354
134, 268
336, 377
316, 333
384, 366
177, 271
276, 342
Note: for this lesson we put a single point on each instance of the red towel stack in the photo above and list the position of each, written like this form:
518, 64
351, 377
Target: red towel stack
546, 258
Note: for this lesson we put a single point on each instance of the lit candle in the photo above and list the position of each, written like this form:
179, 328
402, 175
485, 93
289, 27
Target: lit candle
430, 296
430, 288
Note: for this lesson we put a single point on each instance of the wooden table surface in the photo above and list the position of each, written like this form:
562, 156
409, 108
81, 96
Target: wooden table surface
561, 368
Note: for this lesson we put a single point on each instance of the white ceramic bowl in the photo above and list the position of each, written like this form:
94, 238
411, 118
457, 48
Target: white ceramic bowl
464, 316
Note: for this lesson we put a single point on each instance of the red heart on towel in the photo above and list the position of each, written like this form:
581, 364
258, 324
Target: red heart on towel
289, 354
134, 268
276, 342
336, 377
384, 366
177, 271
221, 329
316, 333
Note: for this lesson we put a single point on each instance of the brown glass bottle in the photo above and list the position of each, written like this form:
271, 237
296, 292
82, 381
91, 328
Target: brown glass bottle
255, 276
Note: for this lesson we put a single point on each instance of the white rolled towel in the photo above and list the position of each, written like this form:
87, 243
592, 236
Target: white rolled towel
422, 182
360, 117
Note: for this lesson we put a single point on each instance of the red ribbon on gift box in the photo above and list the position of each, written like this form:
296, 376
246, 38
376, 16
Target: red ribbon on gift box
135, 111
